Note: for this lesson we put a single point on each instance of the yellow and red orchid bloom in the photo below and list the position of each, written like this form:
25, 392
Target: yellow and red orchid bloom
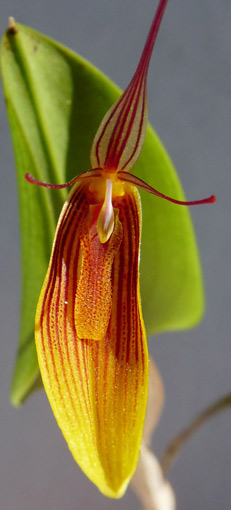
90, 336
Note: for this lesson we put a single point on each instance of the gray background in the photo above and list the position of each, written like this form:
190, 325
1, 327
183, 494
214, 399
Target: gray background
189, 102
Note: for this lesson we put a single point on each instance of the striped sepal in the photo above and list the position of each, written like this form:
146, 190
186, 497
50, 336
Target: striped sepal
97, 388
120, 136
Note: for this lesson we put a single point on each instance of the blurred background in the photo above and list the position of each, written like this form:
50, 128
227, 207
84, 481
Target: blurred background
190, 107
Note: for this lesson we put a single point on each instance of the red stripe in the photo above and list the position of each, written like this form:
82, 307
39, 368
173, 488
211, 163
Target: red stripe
141, 124
111, 157
118, 154
117, 104
129, 334
55, 269
70, 291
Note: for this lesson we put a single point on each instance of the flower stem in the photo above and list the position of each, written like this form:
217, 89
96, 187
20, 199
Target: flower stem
178, 441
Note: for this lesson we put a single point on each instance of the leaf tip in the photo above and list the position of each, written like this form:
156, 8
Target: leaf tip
15, 401
12, 30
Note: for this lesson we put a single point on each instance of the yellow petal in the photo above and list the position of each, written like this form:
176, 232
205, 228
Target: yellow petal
97, 389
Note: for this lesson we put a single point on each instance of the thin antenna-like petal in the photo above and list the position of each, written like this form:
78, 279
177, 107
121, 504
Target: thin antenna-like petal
119, 139
132, 179
84, 175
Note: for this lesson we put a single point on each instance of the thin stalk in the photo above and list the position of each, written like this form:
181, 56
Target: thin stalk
179, 441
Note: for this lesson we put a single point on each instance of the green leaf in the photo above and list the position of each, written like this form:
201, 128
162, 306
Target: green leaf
55, 102
171, 280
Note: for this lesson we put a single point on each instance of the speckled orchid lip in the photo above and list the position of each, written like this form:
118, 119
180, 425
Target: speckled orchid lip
89, 330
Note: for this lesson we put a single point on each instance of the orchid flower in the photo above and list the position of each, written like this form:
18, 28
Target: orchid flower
90, 335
